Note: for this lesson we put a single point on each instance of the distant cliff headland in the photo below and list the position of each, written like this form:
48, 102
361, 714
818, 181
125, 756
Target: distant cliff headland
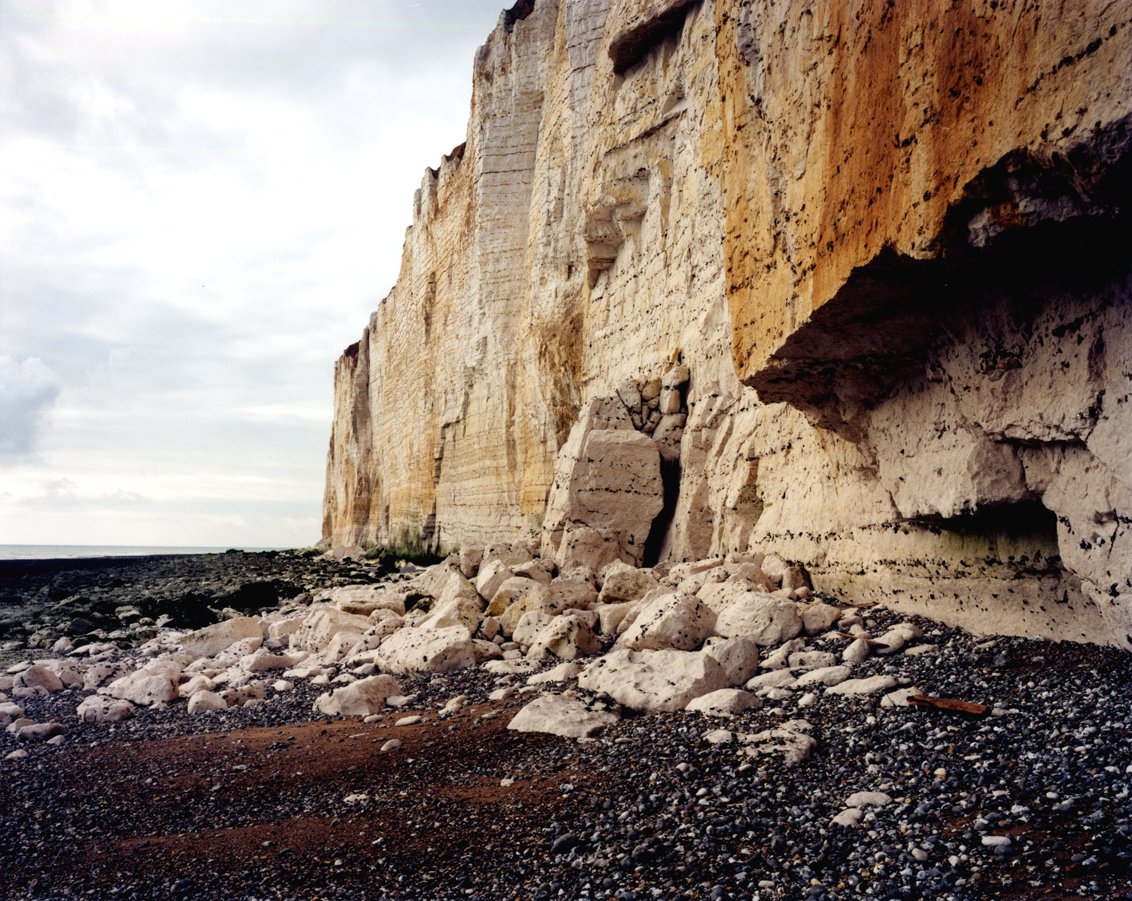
849, 282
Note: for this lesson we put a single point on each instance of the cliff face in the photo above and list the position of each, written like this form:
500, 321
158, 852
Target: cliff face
887, 242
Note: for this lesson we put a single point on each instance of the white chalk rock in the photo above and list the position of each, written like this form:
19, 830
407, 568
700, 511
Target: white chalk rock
774, 568
40, 731
857, 652
35, 680
511, 667
361, 698
719, 595
485, 650
100, 674
564, 672
211, 640
70, 672
622, 582
739, 657
144, 688
765, 619
677, 621
541, 571
780, 657
849, 817
491, 577
819, 616
654, 680
725, 702
778, 678
808, 660
826, 675
263, 661
550, 599
530, 627
607, 490
868, 799
203, 701
10, 712
868, 686
610, 616
460, 611
790, 740
563, 715
243, 695
100, 709
364, 600
427, 651
321, 624
509, 592
566, 637
285, 627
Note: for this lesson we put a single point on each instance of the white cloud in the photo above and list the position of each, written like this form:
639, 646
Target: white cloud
202, 203
28, 388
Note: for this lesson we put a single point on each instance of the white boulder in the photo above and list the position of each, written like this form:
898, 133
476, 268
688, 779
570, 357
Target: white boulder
563, 715
565, 637
10, 712
363, 600
739, 657
724, 702
211, 640
654, 680
868, 686
765, 619
675, 620
321, 624
203, 701
100, 709
427, 651
361, 698
622, 582
35, 680
144, 688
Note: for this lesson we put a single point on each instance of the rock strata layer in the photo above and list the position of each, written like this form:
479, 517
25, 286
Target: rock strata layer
849, 281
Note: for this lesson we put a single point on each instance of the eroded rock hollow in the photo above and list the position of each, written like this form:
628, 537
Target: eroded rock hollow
849, 281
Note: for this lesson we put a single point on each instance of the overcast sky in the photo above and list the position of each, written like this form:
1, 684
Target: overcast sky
201, 201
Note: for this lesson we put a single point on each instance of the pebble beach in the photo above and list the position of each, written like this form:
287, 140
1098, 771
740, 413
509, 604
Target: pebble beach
1021, 789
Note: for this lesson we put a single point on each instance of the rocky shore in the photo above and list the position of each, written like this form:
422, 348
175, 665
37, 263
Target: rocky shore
356, 735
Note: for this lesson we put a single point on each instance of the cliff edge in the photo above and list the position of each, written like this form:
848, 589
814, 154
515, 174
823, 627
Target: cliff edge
846, 281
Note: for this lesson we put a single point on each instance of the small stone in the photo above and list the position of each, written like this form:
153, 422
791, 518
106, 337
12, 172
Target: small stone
850, 817
868, 799
203, 701
857, 652
868, 686
40, 731
408, 721
724, 702
392, 745
563, 843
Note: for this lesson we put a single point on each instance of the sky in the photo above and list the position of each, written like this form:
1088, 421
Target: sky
201, 201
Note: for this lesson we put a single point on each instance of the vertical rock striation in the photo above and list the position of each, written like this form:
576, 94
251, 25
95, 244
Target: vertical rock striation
886, 242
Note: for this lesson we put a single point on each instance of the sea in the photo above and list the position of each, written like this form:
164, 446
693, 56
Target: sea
93, 551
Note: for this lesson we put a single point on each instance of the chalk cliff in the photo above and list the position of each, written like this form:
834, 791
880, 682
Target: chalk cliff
852, 279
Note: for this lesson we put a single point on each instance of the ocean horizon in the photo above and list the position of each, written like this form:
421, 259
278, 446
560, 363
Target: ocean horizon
94, 551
